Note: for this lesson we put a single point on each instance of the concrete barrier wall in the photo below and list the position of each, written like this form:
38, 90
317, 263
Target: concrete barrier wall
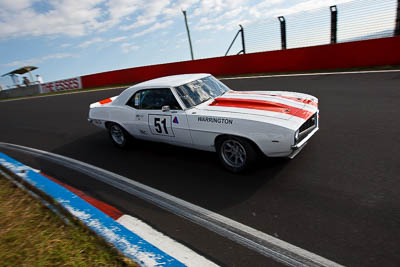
367, 53
21, 91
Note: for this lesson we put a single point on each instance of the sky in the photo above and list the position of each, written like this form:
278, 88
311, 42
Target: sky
69, 38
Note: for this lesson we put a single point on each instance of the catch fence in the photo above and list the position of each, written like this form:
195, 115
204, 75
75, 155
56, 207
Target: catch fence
345, 22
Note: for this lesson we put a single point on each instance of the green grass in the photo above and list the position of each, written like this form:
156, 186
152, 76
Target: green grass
32, 235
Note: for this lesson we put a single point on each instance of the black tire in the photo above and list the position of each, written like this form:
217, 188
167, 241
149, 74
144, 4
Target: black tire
118, 135
235, 153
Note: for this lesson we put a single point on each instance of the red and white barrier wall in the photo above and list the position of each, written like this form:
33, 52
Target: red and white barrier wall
367, 53
61, 85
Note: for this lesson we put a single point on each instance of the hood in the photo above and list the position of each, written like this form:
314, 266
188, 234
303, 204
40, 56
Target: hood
282, 105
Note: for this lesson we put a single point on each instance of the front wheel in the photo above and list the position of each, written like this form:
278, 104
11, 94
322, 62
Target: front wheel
236, 154
118, 135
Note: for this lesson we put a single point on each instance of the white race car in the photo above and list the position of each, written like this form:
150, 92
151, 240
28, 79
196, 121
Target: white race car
199, 111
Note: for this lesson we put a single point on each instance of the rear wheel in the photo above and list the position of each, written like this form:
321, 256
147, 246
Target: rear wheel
235, 153
118, 135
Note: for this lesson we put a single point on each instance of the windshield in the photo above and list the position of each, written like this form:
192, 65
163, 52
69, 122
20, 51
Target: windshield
199, 91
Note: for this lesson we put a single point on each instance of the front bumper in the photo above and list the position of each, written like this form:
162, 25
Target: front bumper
299, 146
305, 135
305, 139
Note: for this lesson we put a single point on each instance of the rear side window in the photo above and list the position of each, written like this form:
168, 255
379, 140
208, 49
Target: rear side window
154, 99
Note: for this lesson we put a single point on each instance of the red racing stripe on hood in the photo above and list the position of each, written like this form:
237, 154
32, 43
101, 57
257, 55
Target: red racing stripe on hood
297, 99
262, 105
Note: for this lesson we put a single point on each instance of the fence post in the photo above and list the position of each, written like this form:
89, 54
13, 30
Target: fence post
243, 44
283, 31
334, 24
188, 33
397, 29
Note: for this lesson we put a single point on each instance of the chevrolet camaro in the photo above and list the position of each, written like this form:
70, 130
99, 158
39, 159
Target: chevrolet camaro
198, 111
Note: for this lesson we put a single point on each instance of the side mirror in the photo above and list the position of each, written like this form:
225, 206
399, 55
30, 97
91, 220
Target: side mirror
165, 108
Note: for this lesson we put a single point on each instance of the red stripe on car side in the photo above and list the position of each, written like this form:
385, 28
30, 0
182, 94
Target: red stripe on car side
297, 99
262, 105
105, 101
107, 209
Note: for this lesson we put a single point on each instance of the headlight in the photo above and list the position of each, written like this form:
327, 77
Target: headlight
296, 136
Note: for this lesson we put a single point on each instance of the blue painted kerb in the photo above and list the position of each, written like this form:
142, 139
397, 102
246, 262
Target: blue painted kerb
124, 240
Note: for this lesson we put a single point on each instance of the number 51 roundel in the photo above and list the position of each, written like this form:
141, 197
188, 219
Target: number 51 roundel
160, 125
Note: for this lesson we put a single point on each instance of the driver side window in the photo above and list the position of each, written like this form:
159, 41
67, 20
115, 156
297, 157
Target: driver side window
154, 99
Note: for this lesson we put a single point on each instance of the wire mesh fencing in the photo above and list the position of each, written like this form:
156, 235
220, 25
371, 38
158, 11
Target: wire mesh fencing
349, 21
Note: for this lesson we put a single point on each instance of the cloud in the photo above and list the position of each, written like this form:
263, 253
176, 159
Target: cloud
34, 61
73, 18
90, 42
15, 4
154, 27
150, 10
140, 21
180, 34
206, 27
129, 47
21, 18
204, 41
229, 16
64, 17
265, 9
215, 7
176, 8
117, 10
118, 39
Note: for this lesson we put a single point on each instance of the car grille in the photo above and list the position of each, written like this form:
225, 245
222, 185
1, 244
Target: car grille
307, 127
310, 123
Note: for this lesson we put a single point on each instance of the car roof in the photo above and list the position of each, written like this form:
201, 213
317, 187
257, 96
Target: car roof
171, 81
163, 82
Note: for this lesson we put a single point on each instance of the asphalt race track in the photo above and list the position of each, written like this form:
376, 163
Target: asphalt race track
339, 198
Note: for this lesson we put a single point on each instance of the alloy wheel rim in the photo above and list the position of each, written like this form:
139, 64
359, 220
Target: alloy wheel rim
117, 134
233, 153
